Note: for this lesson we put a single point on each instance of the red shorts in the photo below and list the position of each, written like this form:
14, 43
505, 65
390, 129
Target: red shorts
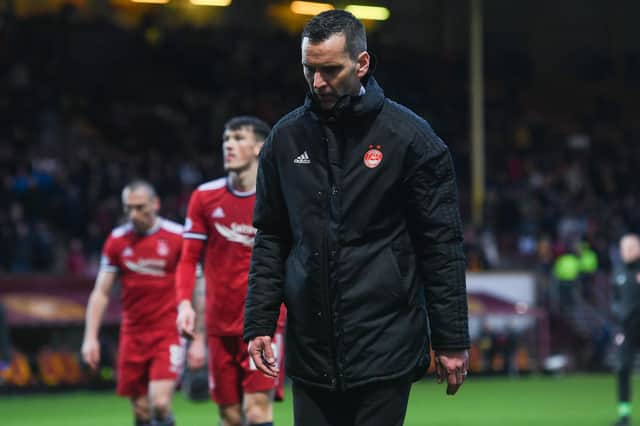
232, 373
147, 357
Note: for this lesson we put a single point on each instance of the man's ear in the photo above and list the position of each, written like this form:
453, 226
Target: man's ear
258, 148
362, 64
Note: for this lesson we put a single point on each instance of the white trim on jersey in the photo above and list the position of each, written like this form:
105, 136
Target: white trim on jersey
171, 226
240, 193
155, 227
121, 230
213, 184
194, 236
109, 268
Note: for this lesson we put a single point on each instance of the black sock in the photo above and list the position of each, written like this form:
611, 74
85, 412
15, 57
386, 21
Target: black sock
262, 424
624, 386
140, 422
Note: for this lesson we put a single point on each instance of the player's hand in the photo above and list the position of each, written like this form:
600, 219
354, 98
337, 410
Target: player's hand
196, 353
91, 353
451, 366
186, 320
261, 352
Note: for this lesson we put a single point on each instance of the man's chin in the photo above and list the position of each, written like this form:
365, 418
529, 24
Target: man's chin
140, 229
325, 102
327, 105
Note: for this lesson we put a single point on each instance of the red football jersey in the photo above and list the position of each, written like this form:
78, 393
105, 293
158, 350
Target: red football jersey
223, 218
146, 264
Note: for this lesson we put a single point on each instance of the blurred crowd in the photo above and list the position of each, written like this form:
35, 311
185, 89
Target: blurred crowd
87, 106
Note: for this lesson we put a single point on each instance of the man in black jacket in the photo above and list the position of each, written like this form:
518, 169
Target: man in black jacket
630, 320
359, 234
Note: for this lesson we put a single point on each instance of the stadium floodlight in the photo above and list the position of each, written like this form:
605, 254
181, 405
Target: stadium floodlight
151, 1
374, 13
220, 3
309, 7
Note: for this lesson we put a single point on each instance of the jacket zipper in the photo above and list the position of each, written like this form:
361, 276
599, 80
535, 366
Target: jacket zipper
328, 311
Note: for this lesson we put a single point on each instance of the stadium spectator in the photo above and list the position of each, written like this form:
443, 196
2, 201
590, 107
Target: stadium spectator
630, 321
219, 223
346, 183
5, 341
76, 260
89, 131
74, 131
566, 271
145, 253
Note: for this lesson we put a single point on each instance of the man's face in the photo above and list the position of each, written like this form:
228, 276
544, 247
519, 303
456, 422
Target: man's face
240, 149
141, 208
330, 71
630, 248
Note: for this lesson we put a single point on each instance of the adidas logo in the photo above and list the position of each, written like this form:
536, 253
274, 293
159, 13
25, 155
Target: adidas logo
302, 159
218, 213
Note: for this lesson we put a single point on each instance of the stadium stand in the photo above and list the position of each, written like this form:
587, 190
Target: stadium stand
87, 105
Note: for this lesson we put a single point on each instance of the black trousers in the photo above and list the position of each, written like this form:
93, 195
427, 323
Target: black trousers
626, 356
378, 404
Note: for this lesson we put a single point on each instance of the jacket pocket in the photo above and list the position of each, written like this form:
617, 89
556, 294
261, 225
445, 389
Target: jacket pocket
405, 263
392, 278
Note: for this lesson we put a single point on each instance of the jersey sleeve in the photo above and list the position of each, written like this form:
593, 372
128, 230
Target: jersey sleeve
110, 258
195, 226
187, 269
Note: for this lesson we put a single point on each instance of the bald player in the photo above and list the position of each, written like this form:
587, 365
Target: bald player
143, 253
630, 321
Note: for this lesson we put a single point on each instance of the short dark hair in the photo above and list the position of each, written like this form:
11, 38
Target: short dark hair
259, 127
330, 22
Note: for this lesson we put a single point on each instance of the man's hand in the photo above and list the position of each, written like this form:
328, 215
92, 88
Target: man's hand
451, 366
261, 352
196, 353
91, 353
186, 320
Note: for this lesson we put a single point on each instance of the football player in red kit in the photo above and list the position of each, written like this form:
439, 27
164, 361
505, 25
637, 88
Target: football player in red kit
144, 253
219, 222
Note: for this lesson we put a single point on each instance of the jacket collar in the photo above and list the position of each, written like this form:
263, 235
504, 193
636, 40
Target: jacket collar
349, 107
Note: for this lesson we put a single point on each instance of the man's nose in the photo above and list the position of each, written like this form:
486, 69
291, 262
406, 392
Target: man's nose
318, 80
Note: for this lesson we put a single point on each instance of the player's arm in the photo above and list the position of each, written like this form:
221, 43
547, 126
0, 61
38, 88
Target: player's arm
436, 232
98, 301
266, 275
193, 239
185, 283
197, 350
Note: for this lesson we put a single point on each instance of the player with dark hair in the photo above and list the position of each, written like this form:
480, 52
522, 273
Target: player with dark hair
359, 234
219, 223
144, 253
630, 318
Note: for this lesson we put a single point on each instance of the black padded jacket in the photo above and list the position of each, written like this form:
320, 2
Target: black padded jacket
359, 234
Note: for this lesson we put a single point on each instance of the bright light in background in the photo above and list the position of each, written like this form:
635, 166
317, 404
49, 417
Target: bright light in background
221, 3
374, 13
152, 1
309, 7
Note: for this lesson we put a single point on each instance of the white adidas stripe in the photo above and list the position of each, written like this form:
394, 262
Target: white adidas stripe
302, 159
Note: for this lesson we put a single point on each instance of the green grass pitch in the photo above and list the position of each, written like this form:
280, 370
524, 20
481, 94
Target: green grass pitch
573, 400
